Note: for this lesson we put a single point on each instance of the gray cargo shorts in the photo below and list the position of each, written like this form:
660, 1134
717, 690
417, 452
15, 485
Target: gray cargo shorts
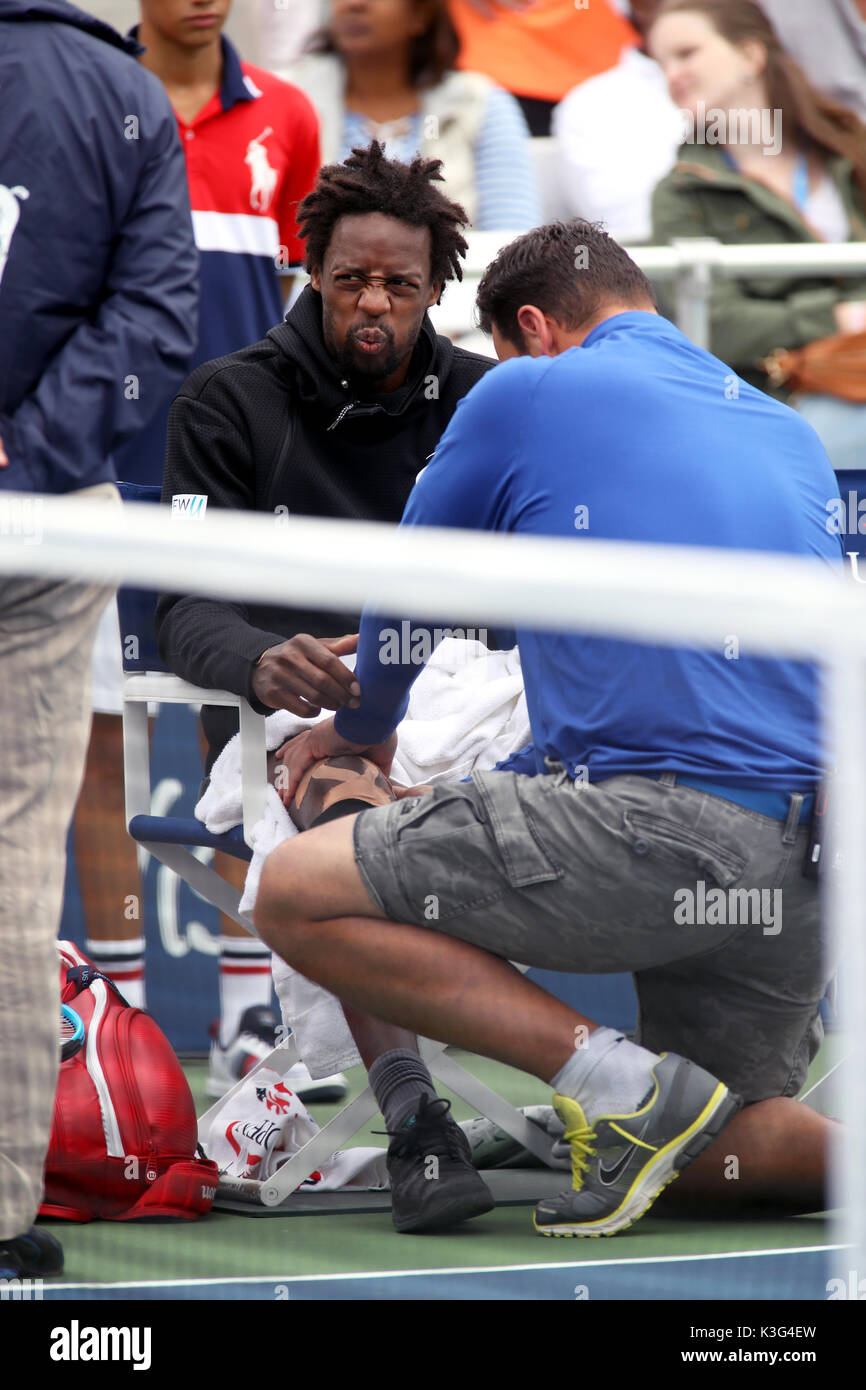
702, 900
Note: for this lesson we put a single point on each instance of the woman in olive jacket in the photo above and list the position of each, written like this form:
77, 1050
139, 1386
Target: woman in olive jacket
767, 159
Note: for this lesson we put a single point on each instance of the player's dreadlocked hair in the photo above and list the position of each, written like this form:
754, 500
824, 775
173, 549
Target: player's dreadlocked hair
368, 182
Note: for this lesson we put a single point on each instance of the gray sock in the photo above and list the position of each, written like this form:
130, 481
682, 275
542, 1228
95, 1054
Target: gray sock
606, 1075
398, 1078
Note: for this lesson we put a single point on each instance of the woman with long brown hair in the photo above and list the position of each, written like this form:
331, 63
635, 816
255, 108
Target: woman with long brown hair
767, 158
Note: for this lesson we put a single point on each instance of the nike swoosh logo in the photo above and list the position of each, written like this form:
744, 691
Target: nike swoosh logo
608, 1176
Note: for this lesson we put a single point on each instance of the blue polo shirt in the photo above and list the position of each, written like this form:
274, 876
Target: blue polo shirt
637, 435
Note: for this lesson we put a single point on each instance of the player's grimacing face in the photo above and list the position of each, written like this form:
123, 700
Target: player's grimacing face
191, 23
375, 286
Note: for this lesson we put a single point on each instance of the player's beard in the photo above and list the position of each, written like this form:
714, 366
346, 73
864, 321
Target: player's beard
364, 370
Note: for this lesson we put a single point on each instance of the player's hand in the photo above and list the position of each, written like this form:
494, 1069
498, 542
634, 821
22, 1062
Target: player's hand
323, 741
4, 457
305, 675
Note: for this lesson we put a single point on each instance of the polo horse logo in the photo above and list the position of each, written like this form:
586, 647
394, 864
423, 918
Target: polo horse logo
10, 211
262, 174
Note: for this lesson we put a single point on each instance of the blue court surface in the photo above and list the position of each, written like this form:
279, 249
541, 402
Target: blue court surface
798, 1273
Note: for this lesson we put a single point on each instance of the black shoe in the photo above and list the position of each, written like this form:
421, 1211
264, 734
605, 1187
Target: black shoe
35, 1253
433, 1182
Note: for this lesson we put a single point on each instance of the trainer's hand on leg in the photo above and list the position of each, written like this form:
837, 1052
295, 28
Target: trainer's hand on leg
305, 675
323, 741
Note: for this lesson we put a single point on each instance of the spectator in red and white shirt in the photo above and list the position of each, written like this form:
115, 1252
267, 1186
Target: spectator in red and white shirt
251, 143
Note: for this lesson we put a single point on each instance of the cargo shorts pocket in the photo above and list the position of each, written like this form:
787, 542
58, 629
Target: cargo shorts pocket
525, 859
675, 844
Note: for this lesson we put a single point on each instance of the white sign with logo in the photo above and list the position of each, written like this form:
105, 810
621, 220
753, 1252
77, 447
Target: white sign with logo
189, 506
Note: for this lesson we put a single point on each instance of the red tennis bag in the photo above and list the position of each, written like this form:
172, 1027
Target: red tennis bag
124, 1137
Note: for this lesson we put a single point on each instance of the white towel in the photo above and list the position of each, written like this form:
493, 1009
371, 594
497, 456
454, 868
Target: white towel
254, 1132
467, 711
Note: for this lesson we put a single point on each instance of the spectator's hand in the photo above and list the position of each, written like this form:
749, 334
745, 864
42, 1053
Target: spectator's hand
309, 746
305, 675
851, 316
4, 457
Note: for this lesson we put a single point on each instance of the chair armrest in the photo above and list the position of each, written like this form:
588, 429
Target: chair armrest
136, 759
161, 688
164, 689
254, 767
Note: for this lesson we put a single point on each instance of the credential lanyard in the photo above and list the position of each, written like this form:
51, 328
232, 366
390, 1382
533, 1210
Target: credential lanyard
800, 182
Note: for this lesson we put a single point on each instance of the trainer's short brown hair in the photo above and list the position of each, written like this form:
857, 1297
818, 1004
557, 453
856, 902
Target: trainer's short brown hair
569, 270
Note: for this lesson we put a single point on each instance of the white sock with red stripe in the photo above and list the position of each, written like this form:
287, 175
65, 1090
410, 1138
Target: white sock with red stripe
245, 979
122, 962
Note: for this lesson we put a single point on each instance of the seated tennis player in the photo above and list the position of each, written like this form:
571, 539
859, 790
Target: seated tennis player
658, 824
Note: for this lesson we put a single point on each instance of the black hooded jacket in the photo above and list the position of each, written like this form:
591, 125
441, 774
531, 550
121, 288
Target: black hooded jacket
276, 426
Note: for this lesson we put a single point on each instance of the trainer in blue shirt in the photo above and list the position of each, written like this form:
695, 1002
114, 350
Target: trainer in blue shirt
633, 436
678, 852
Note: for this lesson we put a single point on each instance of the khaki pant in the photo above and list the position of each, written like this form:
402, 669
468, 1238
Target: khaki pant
46, 639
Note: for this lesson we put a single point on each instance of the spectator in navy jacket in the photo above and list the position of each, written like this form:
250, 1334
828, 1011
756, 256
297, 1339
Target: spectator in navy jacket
251, 148
98, 291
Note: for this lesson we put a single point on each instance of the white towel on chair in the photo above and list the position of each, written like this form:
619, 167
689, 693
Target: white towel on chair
467, 711
254, 1132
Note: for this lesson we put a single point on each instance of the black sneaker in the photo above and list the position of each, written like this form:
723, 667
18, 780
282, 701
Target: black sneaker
433, 1182
35, 1253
